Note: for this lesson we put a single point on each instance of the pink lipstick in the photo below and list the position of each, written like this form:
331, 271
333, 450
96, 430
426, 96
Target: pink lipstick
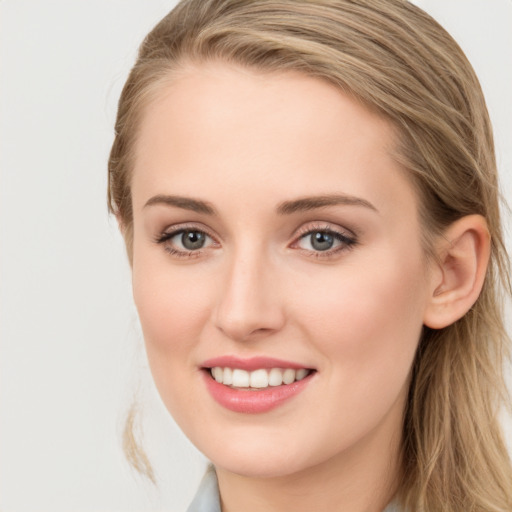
254, 385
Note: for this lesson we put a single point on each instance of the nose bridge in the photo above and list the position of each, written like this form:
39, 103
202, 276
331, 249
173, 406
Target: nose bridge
248, 300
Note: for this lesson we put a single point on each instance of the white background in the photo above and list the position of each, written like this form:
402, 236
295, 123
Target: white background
71, 355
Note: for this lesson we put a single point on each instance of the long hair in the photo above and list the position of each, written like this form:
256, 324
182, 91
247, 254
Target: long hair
399, 62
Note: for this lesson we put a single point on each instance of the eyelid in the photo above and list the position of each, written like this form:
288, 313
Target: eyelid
346, 236
164, 237
324, 226
174, 229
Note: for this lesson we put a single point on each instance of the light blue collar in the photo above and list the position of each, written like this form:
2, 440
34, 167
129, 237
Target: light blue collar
207, 498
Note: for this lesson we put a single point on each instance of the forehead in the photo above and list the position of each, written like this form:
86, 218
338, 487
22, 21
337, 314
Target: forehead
259, 132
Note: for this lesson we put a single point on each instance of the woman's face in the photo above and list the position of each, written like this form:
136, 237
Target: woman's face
275, 238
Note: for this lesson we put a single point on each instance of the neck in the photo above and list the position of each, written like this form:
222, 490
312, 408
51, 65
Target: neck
361, 479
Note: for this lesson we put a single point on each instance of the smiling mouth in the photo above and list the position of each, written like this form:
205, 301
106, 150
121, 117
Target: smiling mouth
258, 379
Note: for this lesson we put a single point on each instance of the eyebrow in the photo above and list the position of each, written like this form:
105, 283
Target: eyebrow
284, 208
314, 202
186, 203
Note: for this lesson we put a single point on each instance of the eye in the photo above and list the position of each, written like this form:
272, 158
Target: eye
318, 241
190, 240
325, 241
185, 241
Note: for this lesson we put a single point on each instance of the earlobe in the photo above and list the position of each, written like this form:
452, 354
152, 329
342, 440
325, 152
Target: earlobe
463, 255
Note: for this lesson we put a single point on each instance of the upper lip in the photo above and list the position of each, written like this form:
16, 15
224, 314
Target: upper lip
251, 364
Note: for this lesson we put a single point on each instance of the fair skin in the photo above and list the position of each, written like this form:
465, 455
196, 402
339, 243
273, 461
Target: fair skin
338, 285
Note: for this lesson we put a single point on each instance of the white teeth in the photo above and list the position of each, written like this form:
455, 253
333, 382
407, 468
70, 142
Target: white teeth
240, 378
228, 376
288, 376
218, 374
301, 374
257, 379
275, 377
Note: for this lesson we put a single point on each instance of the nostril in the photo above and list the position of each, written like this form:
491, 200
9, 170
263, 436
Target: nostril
239, 331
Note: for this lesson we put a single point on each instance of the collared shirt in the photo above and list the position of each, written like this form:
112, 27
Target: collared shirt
207, 498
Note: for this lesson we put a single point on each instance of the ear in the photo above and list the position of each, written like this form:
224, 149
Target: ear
458, 274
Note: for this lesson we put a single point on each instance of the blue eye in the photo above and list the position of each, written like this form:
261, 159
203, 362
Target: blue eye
324, 240
183, 242
191, 240
321, 241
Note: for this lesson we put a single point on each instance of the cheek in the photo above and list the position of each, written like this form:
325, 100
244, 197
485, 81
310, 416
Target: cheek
172, 307
370, 323
367, 329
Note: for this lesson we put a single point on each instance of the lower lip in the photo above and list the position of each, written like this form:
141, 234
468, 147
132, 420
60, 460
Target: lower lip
253, 401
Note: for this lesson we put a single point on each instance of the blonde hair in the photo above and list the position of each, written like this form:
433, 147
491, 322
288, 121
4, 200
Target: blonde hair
398, 61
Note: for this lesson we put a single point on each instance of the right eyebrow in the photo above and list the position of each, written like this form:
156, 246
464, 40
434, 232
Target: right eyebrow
186, 203
314, 202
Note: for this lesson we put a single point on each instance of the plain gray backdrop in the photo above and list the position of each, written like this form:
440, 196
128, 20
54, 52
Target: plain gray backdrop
71, 355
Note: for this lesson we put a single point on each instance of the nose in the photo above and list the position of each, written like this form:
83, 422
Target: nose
249, 304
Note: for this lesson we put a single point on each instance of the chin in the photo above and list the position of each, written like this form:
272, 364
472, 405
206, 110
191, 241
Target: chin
260, 467
264, 456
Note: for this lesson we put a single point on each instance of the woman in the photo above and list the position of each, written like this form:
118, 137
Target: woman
309, 200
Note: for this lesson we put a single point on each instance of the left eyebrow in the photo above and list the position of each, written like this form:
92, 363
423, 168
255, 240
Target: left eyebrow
185, 203
314, 202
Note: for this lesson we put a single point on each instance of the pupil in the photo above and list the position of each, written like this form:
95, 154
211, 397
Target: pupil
192, 240
321, 241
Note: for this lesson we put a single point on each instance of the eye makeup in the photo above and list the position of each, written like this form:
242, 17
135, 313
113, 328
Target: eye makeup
320, 240
186, 241
324, 240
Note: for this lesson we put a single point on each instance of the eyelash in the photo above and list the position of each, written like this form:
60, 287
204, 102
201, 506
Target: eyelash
178, 230
346, 239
